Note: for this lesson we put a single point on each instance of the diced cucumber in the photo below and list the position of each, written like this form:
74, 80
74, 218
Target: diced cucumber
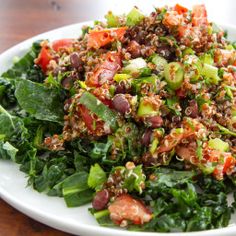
160, 62
134, 17
146, 109
174, 75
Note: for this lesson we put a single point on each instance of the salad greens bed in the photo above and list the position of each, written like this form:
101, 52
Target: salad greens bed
129, 117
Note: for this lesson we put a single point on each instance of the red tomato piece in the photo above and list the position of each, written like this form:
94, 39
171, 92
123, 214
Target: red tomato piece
44, 58
91, 122
62, 43
106, 71
126, 207
180, 9
199, 15
99, 38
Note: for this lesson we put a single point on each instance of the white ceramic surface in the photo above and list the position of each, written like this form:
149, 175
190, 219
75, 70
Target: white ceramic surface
52, 210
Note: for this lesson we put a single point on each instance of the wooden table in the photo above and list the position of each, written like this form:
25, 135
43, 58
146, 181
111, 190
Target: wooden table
22, 19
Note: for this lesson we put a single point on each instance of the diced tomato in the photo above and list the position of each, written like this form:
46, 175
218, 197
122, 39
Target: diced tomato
127, 208
171, 140
229, 162
62, 43
91, 123
180, 9
44, 58
172, 19
227, 165
223, 57
199, 15
99, 38
105, 71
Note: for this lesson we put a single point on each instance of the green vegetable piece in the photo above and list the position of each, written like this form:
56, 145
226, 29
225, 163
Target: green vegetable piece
146, 109
101, 213
75, 189
174, 75
134, 17
218, 144
207, 59
38, 100
134, 179
150, 80
211, 73
97, 177
188, 51
229, 92
101, 110
135, 65
7, 151
23, 68
225, 131
112, 20
160, 62
120, 77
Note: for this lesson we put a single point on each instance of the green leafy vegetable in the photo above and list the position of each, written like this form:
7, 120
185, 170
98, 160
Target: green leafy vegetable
97, 177
38, 100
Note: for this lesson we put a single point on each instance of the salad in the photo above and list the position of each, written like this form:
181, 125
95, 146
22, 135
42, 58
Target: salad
137, 116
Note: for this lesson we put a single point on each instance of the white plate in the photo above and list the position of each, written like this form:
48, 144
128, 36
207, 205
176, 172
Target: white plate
52, 210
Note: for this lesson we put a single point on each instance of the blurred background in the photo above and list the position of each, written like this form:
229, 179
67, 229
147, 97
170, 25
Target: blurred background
21, 19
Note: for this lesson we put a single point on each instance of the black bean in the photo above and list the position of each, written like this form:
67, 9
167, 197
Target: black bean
121, 104
155, 121
101, 199
193, 107
75, 60
67, 82
146, 138
134, 48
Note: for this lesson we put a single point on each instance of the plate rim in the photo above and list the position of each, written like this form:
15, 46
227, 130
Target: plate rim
78, 228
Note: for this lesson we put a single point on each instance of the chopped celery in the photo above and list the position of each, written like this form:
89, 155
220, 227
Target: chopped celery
157, 134
134, 17
135, 65
101, 110
174, 75
218, 144
188, 51
154, 145
150, 80
211, 73
112, 20
120, 77
229, 92
207, 59
146, 109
